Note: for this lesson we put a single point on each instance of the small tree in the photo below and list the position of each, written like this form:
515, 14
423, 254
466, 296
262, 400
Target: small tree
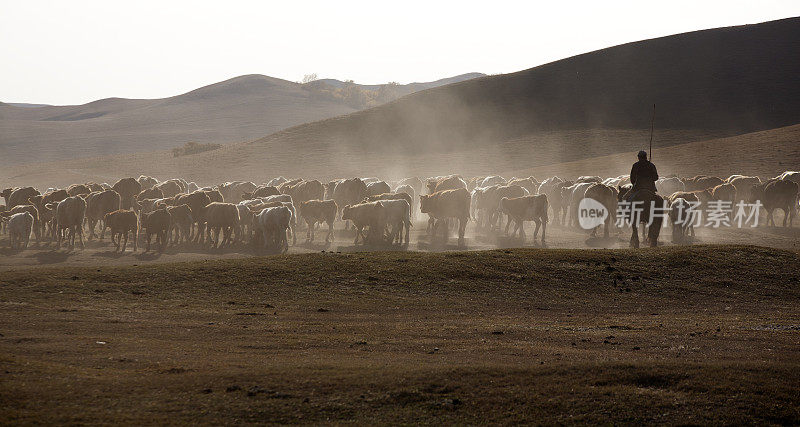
308, 78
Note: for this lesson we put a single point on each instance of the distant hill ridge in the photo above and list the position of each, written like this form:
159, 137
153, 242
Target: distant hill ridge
238, 109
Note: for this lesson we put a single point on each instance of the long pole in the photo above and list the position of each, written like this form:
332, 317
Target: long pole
652, 122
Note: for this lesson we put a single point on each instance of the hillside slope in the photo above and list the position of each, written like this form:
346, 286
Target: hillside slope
764, 153
725, 81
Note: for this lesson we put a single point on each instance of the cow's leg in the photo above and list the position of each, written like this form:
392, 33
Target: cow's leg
330, 232
125, 244
462, 227
134, 237
544, 226
102, 230
163, 236
225, 236
634, 236
605, 227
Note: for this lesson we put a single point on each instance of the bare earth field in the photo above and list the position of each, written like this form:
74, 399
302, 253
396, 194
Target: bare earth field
679, 335
103, 252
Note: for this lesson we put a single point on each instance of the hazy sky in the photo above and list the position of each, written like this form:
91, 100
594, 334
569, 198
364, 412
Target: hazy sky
71, 52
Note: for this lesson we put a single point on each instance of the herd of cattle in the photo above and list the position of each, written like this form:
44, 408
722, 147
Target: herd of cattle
176, 211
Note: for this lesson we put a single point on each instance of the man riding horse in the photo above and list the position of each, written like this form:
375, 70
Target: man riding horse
642, 197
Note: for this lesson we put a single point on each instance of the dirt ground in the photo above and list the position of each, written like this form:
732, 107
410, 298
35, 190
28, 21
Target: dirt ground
678, 335
103, 252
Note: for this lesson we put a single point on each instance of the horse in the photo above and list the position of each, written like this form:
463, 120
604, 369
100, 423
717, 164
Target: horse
647, 200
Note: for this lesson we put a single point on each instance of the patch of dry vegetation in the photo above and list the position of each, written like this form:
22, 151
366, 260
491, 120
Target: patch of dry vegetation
704, 334
194, 148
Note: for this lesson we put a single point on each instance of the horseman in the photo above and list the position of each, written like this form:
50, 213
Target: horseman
643, 176
643, 192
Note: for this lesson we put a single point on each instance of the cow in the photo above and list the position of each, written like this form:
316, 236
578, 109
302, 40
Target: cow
692, 202
370, 214
378, 187
553, 192
725, 192
744, 185
150, 193
46, 215
31, 209
571, 197
314, 211
19, 229
778, 194
128, 189
526, 208
180, 223
273, 224
222, 217
171, 187
529, 184
262, 191
349, 192
446, 204
78, 189
701, 182
409, 190
274, 182
398, 216
681, 217
214, 195
413, 182
667, 186
450, 182
233, 191
197, 201
492, 180
69, 216
147, 182
156, 223
18, 196
121, 223
588, 179
98, 204
606, 196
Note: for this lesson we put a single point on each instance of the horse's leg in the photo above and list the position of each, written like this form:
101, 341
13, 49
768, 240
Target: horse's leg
634, 236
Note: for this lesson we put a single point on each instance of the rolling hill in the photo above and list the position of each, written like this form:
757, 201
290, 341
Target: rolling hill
727, 102
239, 109
725, 81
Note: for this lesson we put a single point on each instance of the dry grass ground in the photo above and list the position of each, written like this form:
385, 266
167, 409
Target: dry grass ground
704, 334
103, 252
